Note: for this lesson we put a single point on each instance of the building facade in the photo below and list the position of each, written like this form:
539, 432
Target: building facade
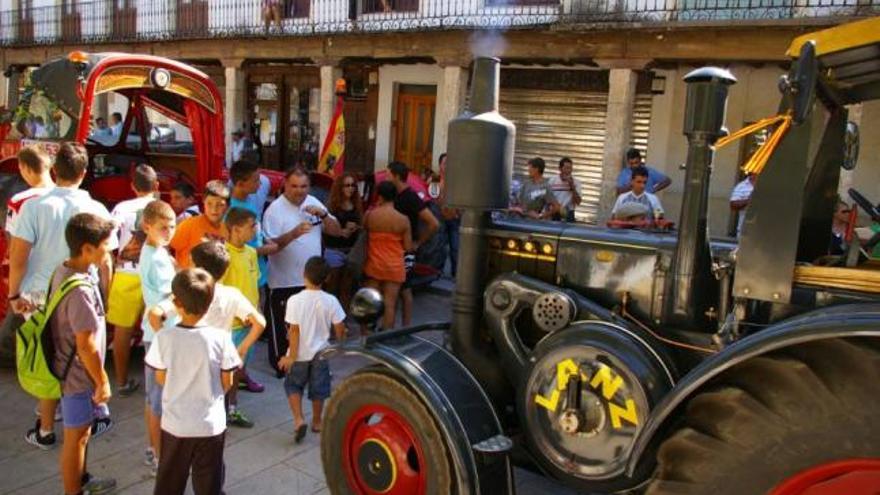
585, 79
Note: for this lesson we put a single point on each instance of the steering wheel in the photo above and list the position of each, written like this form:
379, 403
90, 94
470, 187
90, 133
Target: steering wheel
864, 204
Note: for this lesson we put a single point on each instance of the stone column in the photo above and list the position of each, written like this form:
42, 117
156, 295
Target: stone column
450, 101
234, 102
4, 90
330, 72
11, 92
618, 129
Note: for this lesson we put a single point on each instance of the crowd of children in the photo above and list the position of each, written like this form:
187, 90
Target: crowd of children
191, 281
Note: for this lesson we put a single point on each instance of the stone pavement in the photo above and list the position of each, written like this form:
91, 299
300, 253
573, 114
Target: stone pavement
262, 460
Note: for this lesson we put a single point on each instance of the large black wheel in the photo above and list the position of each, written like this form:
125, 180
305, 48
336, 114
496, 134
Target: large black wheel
378, 438
803, 419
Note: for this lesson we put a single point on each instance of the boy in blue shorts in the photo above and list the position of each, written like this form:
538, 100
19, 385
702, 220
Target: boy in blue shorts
309, 316
79, 335
157, 270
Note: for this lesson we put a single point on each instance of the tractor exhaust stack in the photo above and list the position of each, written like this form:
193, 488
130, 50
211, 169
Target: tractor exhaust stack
479, 169
703, 120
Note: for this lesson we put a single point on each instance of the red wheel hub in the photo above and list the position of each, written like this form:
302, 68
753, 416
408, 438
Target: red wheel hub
850, 477
382, 453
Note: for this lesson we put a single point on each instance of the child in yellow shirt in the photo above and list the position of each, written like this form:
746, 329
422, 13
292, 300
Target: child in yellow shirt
243, 274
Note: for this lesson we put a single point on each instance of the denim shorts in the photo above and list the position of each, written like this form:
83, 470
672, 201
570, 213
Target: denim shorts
152, 392
314, 373
77, 409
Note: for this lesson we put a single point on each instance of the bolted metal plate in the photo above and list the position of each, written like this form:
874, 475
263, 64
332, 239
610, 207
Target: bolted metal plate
553, 311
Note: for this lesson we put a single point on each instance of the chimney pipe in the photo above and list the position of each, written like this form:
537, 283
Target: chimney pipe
479, 168
703, 120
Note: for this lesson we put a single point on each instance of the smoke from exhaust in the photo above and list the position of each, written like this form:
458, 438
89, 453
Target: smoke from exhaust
487, 43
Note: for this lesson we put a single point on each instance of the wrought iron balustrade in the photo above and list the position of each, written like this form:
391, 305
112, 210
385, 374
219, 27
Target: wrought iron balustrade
140, 20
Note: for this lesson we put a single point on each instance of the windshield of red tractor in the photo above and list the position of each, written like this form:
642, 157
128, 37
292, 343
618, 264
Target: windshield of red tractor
39, 116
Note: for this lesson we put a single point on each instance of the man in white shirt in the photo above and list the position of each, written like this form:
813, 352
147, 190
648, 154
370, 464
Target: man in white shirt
739, 200
295, 221
239, 145
567, 189
638, 194
116, 126
38, 246
125, 302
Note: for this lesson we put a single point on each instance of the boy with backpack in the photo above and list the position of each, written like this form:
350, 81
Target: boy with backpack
309, 316
78, 331
195, 364
125, 303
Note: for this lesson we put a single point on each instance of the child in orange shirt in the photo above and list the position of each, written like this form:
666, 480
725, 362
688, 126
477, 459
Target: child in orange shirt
206, 227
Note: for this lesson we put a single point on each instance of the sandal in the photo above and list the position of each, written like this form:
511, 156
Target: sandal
300, 433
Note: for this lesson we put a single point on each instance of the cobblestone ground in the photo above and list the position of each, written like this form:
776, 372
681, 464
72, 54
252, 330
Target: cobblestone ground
262, 460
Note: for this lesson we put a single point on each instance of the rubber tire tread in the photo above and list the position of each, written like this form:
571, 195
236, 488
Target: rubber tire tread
379, 387
773, 416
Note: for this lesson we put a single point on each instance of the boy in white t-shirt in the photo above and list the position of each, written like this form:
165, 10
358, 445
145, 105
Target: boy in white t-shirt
309, 316
227, 305
125, 304
194, 364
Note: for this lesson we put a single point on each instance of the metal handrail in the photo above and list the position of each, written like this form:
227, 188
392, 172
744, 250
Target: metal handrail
99, 21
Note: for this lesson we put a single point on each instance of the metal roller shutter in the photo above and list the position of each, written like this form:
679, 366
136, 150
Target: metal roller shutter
552, 124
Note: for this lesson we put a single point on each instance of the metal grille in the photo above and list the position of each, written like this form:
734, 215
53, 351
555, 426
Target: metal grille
553, 124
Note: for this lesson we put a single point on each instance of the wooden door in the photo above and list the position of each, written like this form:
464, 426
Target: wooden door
192, 17
70, 22
414, 137
124, 19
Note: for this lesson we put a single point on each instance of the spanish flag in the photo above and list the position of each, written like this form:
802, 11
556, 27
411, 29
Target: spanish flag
333, 152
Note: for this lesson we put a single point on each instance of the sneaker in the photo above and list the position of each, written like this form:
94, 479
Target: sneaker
149, 457
129, 388
58, 416
96, 486
236, 418
251, 385
34, 438
101, 426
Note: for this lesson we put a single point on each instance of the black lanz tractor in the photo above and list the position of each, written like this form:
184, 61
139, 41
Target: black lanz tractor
616, 360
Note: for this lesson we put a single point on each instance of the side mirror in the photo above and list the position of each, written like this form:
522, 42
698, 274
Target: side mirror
850, 146
367, 306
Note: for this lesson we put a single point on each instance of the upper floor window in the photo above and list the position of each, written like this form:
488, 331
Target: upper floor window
379, 6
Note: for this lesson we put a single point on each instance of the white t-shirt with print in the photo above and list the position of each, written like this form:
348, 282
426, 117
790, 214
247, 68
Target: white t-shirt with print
287, 266
126, 214
14, 204
192, 397
315, 312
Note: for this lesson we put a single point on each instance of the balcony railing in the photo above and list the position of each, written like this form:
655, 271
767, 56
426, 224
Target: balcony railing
149, 20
